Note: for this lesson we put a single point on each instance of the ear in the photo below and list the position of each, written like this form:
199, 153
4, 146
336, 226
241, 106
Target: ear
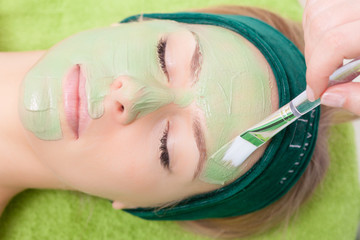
118, 205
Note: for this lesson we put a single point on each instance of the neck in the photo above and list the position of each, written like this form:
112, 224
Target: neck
19, 167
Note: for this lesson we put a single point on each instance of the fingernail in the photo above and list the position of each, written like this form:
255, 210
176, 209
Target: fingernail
310, 94
332, 100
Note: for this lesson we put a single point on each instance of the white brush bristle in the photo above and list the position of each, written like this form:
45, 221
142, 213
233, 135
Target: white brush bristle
239, 151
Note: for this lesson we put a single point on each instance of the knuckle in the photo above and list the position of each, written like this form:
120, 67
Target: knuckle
353, 101
334, 40
307, 53
318, 25
354, 108
312, 1
316, 77
312, 80
310, 14
349, 97
357, 110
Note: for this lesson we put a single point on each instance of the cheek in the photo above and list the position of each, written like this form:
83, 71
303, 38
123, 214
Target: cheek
126, 171
108, 161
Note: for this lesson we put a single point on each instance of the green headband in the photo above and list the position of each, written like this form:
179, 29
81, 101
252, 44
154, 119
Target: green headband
289, 152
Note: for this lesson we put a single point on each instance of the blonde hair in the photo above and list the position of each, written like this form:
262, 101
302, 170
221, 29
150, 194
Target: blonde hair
282, 210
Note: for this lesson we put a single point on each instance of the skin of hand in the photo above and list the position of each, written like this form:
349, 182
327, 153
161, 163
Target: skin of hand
331, 32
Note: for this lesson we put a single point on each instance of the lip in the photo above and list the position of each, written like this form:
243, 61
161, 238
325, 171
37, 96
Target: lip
75, 103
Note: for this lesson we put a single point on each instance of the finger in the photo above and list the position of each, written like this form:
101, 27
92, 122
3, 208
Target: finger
320, 9
314, 7
337, 44
334, 16
311, 12
310, 3
346, 96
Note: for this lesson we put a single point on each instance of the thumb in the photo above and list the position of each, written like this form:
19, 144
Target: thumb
346, 96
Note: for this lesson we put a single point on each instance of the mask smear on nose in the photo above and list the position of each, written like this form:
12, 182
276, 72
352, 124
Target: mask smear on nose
146, 98
96, 90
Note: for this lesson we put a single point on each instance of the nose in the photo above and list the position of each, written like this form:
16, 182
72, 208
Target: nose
120, 94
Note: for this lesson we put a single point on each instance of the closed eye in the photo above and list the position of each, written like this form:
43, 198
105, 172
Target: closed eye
164, 153
161, 50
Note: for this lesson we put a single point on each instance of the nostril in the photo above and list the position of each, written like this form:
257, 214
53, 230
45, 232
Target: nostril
120, 107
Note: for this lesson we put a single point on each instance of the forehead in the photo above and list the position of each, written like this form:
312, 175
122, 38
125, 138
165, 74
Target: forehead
233, 88
234, 85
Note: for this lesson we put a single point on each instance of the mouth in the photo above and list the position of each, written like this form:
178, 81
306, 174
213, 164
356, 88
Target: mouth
75, 103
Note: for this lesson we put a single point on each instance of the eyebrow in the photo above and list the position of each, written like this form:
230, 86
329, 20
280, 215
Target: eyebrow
200, 143
195, 67
196, 61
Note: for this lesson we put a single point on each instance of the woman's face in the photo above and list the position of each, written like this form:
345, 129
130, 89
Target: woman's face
132, 112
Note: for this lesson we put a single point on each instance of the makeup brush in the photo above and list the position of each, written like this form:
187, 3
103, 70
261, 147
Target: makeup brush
241, 147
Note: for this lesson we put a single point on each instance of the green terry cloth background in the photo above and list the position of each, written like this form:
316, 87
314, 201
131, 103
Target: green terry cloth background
332, 213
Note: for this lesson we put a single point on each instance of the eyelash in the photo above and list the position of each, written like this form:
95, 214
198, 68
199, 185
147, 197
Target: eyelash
164, 156
161, 54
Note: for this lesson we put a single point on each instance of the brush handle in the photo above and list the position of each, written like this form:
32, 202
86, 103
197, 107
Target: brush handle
277, 121
348, 72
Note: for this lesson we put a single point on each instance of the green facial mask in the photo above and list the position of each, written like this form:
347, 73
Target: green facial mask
104, 54
232, 90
